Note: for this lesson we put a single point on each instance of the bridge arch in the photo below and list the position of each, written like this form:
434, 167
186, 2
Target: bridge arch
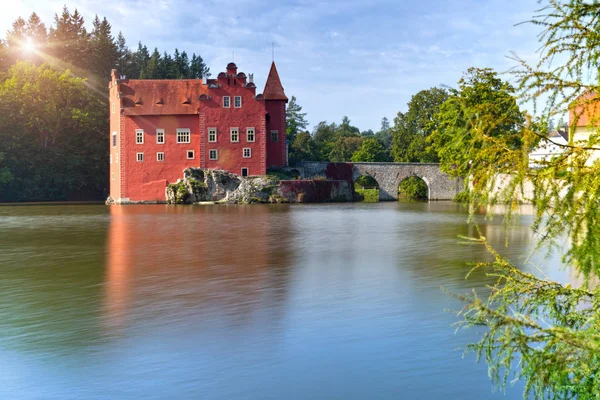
389, 175
366, 181
366, 188
414, 187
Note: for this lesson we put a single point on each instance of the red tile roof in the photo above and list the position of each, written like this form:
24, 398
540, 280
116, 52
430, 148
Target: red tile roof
161, 97
273, 88
586, 110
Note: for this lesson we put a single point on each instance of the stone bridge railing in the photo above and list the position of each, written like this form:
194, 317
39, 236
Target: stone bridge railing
389, 175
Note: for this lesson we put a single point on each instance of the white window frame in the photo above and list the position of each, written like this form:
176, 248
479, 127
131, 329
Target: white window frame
139, 157
114, 139
237, 133
212, 131
160, 156
184, 131
210, 153
160, 133
277, 133
110, 159
139, 134
235, 100
246, 150
248, 132
226, 101
187, 155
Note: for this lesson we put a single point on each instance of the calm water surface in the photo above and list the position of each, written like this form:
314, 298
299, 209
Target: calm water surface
241, 302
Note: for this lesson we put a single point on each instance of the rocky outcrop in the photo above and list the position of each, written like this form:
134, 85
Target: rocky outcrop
205, 185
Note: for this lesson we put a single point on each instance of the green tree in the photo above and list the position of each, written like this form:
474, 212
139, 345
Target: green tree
53, 132
345, 129
68, 42
104, 52
479, 116
141, 58
371, 150
384, 135
344, 147
303, 148
166, 67
153, 67
411, 129
324, 136
295, 119
198, 68
543, 332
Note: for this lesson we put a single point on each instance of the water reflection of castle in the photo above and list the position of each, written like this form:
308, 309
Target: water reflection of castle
221, 265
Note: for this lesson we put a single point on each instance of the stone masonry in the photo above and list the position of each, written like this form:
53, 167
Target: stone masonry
389, 175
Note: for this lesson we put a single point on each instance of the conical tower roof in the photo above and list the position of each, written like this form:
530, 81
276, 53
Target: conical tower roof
273, 88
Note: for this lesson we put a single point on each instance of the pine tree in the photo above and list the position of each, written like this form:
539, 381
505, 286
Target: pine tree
141, 57
184, 66
166, 69
295, 118
176, 66
384, 135
152, 69
68, 42
36, 31
104, 51
125, 57
15, 39
198, 68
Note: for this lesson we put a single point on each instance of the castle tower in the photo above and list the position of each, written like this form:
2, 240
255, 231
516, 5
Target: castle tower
275, 101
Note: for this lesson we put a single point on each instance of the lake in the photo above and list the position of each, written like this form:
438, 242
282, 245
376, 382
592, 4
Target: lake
324, 301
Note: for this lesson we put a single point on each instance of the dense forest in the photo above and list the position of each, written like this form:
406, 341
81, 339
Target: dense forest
54, 108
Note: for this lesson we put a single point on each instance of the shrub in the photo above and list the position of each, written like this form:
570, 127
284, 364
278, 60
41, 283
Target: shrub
413, 188
366, 195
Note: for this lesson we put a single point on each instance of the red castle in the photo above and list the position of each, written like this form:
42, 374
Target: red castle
160, 127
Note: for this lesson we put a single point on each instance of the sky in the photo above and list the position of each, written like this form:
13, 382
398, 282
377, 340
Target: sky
359, 58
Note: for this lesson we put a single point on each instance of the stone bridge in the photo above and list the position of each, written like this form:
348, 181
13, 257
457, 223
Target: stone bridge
389, 175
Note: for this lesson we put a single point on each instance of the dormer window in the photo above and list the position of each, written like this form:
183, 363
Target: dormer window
237, 101
226, 101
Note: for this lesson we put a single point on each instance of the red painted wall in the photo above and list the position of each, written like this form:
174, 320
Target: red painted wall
147, 180
276, 154
250, 115
115, 127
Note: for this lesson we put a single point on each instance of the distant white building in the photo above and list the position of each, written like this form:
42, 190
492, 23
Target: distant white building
584, 120
548, 149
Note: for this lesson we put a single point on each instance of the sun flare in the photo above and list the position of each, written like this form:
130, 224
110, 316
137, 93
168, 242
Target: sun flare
29, 46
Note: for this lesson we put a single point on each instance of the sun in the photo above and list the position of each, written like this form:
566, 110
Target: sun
29, 46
